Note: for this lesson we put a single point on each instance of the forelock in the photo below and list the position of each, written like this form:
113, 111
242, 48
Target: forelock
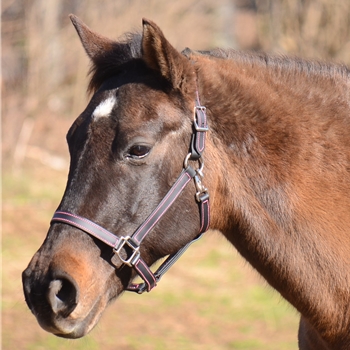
123, 52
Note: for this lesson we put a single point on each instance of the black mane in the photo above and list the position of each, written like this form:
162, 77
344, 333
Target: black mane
127, 53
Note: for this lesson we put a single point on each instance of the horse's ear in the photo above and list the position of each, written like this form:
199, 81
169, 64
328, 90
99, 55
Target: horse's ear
160, 55
94, 44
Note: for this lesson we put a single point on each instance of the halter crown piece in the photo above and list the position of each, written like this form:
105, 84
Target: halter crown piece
131, 244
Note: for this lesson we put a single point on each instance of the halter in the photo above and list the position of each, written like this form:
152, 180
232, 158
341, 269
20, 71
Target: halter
131, 244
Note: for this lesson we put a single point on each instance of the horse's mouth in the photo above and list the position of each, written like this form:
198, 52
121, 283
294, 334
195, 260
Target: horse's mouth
66, 297
79, 322
73, 327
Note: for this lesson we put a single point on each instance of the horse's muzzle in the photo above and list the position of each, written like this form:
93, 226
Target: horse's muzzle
52, 302
54, 296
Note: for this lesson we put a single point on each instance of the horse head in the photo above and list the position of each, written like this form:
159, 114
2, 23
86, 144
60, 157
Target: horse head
127, 150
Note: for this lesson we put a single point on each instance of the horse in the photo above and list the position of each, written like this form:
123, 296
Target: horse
253, 145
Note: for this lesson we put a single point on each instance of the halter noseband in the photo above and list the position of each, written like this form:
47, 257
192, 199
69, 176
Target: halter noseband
131, 244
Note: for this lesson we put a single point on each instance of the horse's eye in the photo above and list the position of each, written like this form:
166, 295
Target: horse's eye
138, 151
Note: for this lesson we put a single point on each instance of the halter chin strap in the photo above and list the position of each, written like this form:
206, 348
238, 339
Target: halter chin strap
130, 245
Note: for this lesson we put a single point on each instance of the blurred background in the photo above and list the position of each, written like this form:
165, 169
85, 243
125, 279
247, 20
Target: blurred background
210, 299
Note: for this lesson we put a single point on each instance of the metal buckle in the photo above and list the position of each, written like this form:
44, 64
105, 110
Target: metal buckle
202, 196
195, 123
131, 244
202, 192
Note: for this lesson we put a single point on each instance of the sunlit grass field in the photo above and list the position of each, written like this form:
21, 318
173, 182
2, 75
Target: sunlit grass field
210, 299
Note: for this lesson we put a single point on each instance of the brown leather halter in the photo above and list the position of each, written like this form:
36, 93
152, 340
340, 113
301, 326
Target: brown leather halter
131, 244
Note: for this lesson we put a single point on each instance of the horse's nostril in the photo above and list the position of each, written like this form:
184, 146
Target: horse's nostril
62, 296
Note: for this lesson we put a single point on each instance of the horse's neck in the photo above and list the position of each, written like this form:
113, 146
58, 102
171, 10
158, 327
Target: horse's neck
283, 195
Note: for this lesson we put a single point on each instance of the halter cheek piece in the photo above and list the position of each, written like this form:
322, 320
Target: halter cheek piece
131, 244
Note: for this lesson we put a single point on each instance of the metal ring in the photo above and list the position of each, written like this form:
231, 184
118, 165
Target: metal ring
186, 160
201, 167
200, 161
